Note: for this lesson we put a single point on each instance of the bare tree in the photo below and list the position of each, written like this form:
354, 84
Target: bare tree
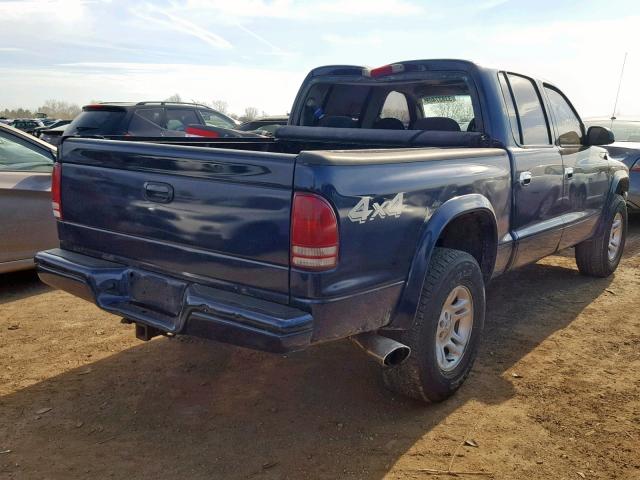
220, 105
174, 98
250, 113
59, 109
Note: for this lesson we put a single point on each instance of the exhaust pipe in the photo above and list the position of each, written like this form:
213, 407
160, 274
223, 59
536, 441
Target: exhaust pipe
386, 351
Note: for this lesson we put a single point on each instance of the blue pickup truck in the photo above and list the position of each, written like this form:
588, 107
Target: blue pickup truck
379, 213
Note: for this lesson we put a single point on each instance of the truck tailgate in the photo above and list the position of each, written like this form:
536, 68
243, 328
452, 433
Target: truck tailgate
220, 217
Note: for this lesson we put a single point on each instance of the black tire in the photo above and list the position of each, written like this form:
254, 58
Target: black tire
592, 256
420, 376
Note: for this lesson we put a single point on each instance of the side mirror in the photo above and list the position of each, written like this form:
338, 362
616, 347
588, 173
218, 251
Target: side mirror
600, 136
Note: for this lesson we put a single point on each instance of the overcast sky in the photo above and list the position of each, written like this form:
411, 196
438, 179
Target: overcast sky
256, 52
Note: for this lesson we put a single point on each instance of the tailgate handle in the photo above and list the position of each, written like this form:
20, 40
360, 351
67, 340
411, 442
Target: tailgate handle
158, 192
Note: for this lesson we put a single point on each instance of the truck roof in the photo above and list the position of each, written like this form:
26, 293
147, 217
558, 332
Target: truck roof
442, 63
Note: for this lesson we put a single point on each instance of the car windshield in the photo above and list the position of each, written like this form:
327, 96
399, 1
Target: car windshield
623, 130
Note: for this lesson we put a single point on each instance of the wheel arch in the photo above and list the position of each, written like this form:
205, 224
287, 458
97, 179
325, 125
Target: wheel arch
471, 214
619, 186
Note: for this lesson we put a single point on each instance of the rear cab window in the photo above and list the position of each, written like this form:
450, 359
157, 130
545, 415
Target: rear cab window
441, 101
98, 120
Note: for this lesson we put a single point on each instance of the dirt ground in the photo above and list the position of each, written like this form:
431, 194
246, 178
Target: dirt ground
555, 394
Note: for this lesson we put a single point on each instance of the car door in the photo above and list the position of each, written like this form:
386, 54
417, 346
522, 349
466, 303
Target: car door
25, 201
586, 171
537, 172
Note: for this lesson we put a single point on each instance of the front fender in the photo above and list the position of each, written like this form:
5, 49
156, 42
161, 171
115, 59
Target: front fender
433, 227
620, 179
619, 183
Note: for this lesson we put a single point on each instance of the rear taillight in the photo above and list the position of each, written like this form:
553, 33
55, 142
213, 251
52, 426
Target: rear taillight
56, 202
314, 233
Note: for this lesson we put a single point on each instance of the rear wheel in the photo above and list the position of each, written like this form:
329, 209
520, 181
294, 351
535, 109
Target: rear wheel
600, 256
446, 332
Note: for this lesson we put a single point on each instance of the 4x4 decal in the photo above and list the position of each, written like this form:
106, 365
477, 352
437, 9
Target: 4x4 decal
389, 208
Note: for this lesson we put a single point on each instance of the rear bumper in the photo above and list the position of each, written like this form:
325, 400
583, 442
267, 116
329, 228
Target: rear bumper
176, 306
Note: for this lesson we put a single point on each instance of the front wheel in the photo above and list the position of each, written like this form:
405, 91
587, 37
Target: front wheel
446, 332
600, 256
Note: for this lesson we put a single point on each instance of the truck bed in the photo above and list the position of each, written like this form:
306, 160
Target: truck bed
294, 139
170, 218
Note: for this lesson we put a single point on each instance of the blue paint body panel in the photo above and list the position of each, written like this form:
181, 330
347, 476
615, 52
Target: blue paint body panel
194, 238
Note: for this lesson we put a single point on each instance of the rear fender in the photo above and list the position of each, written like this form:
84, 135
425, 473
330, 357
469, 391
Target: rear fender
434, 225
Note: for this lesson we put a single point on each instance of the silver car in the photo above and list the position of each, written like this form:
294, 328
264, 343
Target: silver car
26, 219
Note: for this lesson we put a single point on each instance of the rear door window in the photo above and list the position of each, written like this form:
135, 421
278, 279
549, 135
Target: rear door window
147, 122
511, 109
534, 129
179, 118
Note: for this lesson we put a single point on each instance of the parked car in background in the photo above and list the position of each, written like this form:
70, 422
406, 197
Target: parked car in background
145, 119
28, 125
358, 219
47, 122
264, 125
626, 149
26, 221
53, 136
5, 120
260, 127
55, 124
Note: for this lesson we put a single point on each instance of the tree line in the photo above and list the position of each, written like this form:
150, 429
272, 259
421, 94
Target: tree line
50, 108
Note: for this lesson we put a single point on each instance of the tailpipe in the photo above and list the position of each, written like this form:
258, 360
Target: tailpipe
386, 351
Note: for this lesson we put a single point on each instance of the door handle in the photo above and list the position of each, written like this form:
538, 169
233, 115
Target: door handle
158, 192
525, 178
568, 172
